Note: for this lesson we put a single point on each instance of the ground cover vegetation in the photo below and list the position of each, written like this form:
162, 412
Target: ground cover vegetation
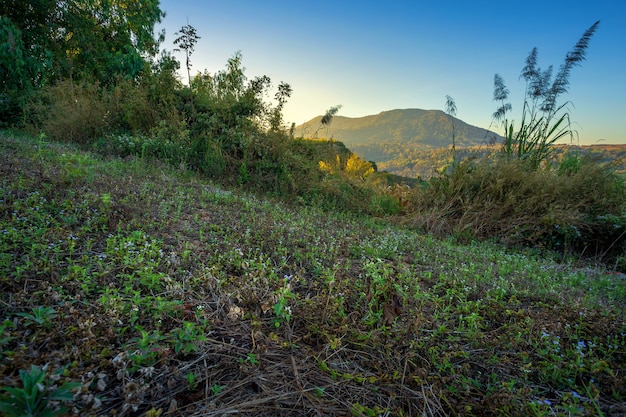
132, 287
194, 258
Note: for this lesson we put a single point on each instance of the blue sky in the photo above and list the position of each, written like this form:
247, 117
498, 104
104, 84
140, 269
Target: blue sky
375, 56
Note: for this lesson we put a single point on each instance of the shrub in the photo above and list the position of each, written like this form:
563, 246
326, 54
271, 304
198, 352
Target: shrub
76, 113
578, 212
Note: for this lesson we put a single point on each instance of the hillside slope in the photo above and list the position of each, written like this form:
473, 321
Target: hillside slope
155, 292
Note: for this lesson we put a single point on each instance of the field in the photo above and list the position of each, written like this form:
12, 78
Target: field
133, 288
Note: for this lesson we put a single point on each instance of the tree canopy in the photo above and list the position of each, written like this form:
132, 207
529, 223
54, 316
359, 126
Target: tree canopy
95, 40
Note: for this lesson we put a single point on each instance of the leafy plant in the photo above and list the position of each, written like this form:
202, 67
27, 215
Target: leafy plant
192, 381
36, 394
251, 358
5, 338
186, 338
40, 315
282, 311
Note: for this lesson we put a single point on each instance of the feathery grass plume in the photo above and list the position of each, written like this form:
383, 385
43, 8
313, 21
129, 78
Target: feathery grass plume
572, 59
501, 94
451, 111
544, 121
328, 117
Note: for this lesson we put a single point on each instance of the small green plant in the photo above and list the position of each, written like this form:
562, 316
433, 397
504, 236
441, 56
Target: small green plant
319, 391
40, 315
251, 359
36, 394
186, 338
148, 347
4, 338
282, 310
216, 388
106, 199
192, 381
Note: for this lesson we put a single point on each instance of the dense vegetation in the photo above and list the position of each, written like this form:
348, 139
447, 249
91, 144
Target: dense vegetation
194, 257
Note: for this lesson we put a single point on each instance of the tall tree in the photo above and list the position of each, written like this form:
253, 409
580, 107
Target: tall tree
91, 39
186, 40
104, 39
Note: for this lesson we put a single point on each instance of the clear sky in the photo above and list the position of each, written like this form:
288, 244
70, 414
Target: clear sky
375, 56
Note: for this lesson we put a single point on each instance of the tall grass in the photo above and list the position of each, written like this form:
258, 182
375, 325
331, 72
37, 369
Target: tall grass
544, 120
575, 207
577, 212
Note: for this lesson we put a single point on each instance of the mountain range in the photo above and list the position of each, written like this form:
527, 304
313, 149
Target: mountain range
375, 137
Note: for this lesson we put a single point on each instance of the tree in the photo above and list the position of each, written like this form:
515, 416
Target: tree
186, 40
13, 70
281, 96
105, 39
94, 40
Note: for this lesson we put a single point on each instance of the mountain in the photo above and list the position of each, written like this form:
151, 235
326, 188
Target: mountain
373, 137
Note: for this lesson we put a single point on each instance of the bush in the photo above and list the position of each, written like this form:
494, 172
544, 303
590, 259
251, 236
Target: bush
76, 113
582, 211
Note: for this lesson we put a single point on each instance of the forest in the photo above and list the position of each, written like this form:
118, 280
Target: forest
169, 246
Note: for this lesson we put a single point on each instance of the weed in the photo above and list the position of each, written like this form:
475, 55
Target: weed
187, 337
5, 336
38, 396
40, 315
282, 311
251, 359
216, 389
192, 381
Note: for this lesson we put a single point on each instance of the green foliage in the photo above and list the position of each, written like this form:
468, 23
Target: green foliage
283, 295
95, 42
36, 395
86, 112
76, 113
40, 316
186, 338
14, 63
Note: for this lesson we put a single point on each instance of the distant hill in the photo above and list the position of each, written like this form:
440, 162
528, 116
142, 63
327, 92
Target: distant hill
415, 143
373, 137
